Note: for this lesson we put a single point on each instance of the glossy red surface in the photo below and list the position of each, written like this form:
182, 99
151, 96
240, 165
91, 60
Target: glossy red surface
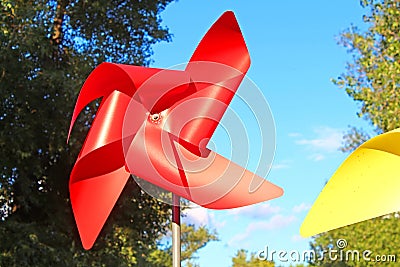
156, 124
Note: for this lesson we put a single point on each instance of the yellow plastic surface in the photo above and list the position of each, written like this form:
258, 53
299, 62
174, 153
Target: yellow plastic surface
365, 186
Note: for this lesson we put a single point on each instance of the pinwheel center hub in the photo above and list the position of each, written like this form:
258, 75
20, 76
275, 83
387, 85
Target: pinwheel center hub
155, 117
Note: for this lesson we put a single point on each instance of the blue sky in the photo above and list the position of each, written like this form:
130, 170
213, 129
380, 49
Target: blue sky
294, 55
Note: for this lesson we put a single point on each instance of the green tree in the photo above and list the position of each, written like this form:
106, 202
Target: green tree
241, 259
192, 238
48, 48
380, 236
372, 79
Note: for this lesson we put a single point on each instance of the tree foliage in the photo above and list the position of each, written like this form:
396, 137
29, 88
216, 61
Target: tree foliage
373, 76
372, 79
241, 259
380, 236
192, 239
48, 48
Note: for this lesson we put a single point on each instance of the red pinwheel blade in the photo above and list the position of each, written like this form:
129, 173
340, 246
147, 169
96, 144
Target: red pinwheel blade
92, 201
224, 44
97, 178
107, 78
211, 181
169, 151
225, 185
99, 175
217, 68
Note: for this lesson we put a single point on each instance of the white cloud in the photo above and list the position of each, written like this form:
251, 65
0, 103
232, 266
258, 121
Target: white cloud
196, 215
316, 157
301, 207
327, 140
255, 211
200, 216
280, 166
294, 134
277, 221
237, 239
298, 238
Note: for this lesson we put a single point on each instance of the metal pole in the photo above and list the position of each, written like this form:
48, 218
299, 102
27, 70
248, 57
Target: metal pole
176, 231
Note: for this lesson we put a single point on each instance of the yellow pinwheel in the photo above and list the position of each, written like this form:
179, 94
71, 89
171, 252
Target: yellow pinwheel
365, 186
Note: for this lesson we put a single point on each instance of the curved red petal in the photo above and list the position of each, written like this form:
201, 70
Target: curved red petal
107, 78
92, 201
170, 151
224, 44
216, 68
211, 181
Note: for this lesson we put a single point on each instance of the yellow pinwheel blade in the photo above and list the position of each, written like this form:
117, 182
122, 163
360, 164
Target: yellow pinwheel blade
365, 186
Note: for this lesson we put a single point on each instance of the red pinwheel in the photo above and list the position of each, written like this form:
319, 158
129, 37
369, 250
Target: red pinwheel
155, 124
